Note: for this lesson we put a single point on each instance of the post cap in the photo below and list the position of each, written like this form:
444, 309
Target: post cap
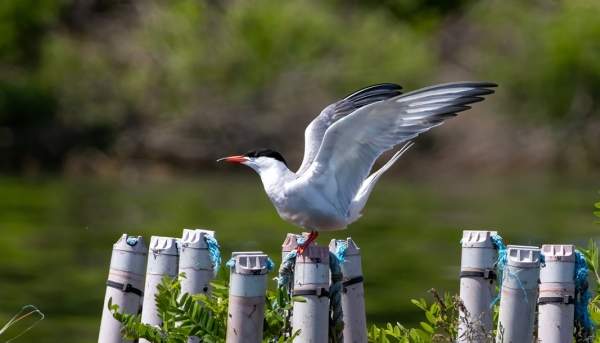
477, 239
523, 256
559, 252
164, 245
314, 254
251, 263
238, 253
131, 243
291, 241
351, 247
194, 238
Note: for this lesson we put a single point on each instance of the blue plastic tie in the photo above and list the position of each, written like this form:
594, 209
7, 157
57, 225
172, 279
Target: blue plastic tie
230, 263
213, 250
131, 241
270, 264
582, 294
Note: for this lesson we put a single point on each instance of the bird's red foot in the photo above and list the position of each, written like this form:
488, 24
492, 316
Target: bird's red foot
312, 236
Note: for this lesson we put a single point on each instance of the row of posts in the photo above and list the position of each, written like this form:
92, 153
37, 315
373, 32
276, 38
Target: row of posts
136, 270
532, 278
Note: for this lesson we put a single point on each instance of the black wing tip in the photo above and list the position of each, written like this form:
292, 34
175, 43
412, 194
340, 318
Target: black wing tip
390, 88
388, 85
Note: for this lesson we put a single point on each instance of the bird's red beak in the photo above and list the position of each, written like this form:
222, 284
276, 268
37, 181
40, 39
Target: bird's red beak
234, 159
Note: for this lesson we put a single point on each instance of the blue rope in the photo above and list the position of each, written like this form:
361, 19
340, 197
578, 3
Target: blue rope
340, 251
336, 316
215, 253
230, 263
521, 287
286, 269
582, 295
498, 243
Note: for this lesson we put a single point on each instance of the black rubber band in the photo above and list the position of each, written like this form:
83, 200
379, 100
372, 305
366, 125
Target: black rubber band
320, 292
353, 281
127, 288
487, 274
567, 300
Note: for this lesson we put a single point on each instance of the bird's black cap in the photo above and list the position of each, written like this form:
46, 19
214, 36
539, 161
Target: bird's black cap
266, 153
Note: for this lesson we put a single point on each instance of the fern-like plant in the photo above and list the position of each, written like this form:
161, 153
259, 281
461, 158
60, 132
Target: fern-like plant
203, 316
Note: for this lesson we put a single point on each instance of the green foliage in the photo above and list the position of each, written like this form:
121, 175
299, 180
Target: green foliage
203, 316
560, 37
75, 68
182, 315
396, 333
591, 257
440, 325
23, 24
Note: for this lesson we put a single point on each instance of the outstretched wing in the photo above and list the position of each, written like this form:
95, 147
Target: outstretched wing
313, 136
351, 145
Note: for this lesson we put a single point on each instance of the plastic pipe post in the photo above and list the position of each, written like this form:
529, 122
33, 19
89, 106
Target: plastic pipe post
311, 282
247, 287
195, 262
126, 269
163, 258
476, 285
519, 294
557, 291
353, 294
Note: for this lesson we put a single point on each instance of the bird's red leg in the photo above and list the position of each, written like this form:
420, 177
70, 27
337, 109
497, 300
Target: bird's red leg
312, 236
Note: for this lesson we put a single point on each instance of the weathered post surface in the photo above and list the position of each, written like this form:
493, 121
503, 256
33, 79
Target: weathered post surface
124, 285
353, 294
519, 294
195, 262
289, 244
163, 258
557, 293
311, 282
476, 285
247, 287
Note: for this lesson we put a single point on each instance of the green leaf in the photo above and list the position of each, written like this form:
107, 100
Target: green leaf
431, 318
426, 327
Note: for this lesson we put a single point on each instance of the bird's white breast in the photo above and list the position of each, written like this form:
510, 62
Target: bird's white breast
305, 206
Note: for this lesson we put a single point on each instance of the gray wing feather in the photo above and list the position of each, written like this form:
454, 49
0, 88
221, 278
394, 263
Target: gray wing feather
313, 135
351, 145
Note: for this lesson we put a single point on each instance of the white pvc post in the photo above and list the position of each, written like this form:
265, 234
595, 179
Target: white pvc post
195, 262
476, 286
311, 282
247, 287
163, 258
353, 294
519, 295
124, 285
557, 293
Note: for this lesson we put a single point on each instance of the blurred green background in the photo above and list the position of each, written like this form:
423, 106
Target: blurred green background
113, 112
